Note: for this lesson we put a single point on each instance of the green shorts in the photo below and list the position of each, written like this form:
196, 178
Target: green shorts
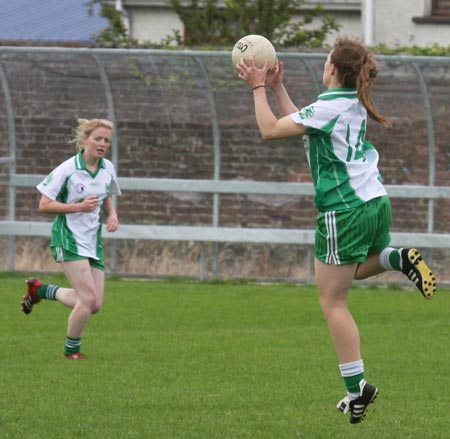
350, 235
63, 255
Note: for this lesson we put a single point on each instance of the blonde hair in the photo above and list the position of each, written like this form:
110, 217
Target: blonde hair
85, 128
357, 68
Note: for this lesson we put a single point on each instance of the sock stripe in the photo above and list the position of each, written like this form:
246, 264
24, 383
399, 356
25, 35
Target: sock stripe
50, 293
72, 345
352, 369
352, 373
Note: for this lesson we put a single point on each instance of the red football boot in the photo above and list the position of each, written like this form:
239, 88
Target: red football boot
75, 356
31, 298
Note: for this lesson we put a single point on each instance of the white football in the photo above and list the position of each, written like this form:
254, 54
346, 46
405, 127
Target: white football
258, 46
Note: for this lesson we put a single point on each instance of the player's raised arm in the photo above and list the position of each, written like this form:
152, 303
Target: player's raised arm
274, 80
269, 125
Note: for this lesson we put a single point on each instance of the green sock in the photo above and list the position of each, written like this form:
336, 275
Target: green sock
72, 345
47, 291
352, 373
395, 259
352, 383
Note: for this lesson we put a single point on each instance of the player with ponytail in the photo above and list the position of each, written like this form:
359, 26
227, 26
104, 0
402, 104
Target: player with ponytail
354, 211
357, 69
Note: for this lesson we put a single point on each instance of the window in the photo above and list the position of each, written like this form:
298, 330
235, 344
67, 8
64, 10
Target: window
440, 7
438, 13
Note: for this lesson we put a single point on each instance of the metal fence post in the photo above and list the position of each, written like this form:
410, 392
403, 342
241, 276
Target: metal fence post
12, 166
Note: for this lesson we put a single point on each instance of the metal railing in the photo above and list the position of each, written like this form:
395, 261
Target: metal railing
216, 186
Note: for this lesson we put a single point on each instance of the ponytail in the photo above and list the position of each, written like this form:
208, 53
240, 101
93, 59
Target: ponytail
357, 68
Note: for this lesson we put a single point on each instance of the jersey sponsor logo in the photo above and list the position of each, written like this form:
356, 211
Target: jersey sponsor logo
80, 188
307, 112
48, 179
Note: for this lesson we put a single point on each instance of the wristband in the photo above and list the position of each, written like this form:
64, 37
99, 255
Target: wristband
258, 86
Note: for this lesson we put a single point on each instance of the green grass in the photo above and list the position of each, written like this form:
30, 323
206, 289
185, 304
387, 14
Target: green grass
185, 360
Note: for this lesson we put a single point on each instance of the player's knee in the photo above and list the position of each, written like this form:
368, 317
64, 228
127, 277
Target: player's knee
97, 305
330, 304
359, 275
325, 304
359, 272
88, 301
96, 308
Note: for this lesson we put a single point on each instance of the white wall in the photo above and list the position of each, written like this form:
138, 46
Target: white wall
393, 24
153, 24
350, 25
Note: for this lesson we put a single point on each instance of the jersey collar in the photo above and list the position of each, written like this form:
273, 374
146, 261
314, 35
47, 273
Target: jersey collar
336, 93
81, 164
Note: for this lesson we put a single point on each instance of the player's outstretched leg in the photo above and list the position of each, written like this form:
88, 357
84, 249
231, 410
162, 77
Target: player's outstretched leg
31, 298
418, 272
358, 407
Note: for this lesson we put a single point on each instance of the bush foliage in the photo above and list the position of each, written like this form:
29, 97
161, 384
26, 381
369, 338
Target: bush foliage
208, 24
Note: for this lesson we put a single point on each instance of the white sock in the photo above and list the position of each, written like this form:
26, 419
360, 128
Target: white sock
384, 258
352, 369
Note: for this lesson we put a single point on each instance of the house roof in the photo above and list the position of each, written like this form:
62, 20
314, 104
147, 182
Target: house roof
49, 20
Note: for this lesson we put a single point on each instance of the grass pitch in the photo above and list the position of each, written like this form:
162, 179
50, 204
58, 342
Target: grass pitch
186, 360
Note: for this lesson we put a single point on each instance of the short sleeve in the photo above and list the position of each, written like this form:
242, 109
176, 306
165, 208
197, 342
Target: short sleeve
52, 184
114, 188
316, 116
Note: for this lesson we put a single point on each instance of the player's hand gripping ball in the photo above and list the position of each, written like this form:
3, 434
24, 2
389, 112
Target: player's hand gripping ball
256, 45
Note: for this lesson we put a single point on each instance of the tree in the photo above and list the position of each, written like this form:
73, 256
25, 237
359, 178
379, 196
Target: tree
116, 35
207, 23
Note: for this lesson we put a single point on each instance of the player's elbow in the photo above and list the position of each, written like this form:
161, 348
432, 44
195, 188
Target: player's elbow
45, 205
272, 132
42, 208
269, 135
282, 133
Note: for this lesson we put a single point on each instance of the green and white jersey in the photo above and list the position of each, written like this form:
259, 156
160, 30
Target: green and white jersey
72, 182
344, 166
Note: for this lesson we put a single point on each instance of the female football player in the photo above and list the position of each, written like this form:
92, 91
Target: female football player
354, 219
77, 191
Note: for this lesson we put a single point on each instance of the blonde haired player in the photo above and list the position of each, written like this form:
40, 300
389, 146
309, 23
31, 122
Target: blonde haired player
76, 192
352, 234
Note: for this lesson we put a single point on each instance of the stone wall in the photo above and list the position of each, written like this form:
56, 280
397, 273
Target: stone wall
164, 129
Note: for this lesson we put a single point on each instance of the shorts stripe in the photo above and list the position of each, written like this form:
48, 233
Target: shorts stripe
332, 238
59, 252
62, 255
350, 235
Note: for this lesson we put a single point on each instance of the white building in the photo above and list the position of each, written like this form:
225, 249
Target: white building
395, 23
